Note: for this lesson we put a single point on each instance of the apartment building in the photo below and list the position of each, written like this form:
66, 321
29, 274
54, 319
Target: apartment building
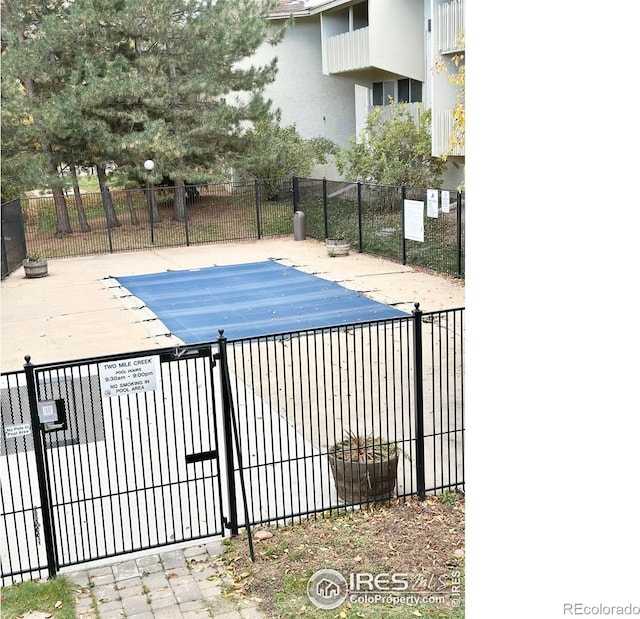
341, 58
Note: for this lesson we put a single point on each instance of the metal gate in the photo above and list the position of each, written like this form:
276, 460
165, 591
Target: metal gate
105, 456
129, 456
14, 249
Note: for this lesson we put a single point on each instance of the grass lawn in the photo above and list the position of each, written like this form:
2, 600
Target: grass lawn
218, 216
421, 542
53, 597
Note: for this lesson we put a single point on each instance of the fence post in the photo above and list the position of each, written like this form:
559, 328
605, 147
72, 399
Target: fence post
419, 400
227, 411
256, 191
325, 213
185, 197
41, 469
459, 232
359, 216
403, 196
296, 195
5, 261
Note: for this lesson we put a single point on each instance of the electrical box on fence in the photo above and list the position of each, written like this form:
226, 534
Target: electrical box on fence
52, 415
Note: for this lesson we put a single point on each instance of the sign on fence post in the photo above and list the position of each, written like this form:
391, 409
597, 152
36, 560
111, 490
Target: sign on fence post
445, 201
432, 203
128, 376
414, 220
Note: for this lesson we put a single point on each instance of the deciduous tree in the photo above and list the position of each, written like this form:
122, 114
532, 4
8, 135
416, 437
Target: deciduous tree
275, 151
393, 150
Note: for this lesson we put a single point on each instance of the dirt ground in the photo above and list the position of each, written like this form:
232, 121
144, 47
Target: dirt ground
423, 540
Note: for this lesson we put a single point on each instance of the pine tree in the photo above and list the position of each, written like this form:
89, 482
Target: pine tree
121, 81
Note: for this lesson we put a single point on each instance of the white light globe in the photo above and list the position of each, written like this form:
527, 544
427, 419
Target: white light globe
149, 165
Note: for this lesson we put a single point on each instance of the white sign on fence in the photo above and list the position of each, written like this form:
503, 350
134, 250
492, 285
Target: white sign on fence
128, 376
16, 431
432, 203
414, 220
445, 201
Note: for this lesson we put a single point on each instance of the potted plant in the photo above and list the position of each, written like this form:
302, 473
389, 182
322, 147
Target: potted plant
34, 266
338, 246
364, 468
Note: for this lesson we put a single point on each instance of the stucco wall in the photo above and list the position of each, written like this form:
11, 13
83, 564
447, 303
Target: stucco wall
317, 104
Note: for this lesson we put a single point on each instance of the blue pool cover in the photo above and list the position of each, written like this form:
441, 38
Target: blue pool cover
248, 300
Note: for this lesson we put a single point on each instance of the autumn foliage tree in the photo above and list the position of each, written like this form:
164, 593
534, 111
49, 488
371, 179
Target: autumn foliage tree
456, 77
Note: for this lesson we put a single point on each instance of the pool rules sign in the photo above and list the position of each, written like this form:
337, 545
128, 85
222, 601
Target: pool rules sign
128, 376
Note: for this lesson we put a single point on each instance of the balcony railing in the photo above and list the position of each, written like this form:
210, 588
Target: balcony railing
348, 51
449, 27
387, 110
441, 130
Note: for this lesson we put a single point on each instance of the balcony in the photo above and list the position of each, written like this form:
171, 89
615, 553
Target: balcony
348, 51
449, 25
386, 111
441, 130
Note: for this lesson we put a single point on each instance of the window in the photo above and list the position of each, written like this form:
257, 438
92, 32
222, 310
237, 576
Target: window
360, 15
409, 91
382, 91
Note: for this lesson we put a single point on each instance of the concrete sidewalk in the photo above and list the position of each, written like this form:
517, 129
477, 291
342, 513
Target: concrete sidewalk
73, 314
172, 584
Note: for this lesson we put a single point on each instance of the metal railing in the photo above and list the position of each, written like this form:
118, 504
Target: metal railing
219, 435
371, 216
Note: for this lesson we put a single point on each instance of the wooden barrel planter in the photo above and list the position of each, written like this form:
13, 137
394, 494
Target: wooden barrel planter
369, 477
338, 247
36, 267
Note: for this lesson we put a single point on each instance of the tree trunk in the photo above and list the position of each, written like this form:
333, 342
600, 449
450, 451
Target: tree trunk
179, 202
132, 211
151, 198
63, 224
82, 216
107, 203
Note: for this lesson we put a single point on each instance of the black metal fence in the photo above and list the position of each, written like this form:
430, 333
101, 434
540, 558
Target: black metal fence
106, 456
375, 220
372, 217
14, 248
